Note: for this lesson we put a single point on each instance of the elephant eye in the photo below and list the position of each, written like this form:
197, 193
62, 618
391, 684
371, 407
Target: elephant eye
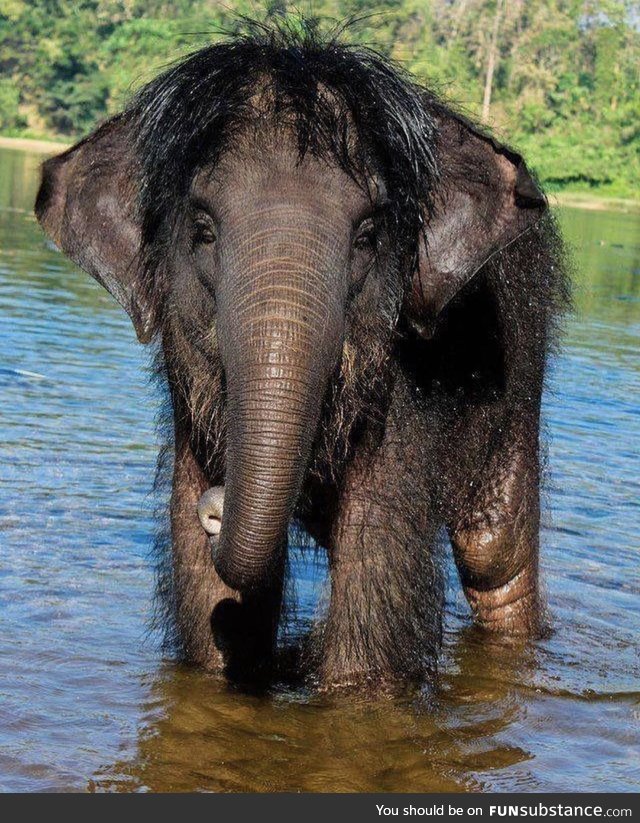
366, 238
203, 231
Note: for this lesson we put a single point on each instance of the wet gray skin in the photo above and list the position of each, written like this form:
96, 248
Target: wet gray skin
559, 713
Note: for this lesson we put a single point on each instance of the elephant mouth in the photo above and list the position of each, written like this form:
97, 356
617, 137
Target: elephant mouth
210, 509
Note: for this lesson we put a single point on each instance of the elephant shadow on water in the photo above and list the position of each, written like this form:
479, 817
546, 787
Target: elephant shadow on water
352, 291
206, 735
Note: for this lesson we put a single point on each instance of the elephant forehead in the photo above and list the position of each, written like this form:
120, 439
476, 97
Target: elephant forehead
264, 170
273, 224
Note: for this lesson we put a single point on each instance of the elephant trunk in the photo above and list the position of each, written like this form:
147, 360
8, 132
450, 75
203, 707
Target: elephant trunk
280, 330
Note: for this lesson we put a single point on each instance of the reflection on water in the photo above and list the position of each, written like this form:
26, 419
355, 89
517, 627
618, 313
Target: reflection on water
85, 700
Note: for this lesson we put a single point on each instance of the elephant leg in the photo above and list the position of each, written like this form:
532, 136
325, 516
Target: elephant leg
384, 618
495, 537
218, 628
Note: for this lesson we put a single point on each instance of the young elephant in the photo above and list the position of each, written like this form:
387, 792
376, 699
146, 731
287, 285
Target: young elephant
353, 292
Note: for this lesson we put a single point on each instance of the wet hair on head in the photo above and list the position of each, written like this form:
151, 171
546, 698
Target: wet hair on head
343, 102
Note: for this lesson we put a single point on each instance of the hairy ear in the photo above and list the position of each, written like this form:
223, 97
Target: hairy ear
486, 199
87, 206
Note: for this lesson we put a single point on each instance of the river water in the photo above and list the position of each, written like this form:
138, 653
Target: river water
88, 703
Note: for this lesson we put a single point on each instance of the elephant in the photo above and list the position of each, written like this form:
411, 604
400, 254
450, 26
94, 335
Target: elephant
353, 292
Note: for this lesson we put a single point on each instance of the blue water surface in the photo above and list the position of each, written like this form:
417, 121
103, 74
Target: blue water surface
87, 701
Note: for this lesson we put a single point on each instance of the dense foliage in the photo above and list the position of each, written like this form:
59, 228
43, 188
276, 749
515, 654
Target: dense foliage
558, 78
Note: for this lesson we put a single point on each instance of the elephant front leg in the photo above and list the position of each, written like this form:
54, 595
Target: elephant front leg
217, 628
384, 618
495, 538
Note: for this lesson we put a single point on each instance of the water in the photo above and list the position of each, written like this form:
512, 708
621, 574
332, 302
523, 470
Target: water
87, 702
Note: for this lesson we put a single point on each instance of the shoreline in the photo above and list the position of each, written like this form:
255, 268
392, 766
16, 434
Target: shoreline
593, 202
577, 200
32, 144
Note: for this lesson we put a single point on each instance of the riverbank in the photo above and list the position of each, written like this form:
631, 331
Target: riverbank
593, 202
31, 144
577, 200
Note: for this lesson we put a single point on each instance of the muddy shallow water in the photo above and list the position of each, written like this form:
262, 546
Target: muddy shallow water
88, 703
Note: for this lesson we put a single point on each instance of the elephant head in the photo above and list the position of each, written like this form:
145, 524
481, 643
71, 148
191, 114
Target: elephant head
275, 213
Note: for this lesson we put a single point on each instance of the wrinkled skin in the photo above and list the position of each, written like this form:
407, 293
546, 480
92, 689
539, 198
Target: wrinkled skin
282, 269
268, 289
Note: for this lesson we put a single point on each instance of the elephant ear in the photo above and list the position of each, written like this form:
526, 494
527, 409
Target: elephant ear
87, 205
485, 200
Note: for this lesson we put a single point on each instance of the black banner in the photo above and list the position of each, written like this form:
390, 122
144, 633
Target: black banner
331, 808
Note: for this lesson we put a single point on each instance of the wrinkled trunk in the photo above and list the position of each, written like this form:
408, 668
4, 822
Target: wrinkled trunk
280, 327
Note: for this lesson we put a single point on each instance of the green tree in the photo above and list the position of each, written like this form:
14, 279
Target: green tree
558, 78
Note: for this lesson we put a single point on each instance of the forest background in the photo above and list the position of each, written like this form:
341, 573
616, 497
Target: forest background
559, 79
